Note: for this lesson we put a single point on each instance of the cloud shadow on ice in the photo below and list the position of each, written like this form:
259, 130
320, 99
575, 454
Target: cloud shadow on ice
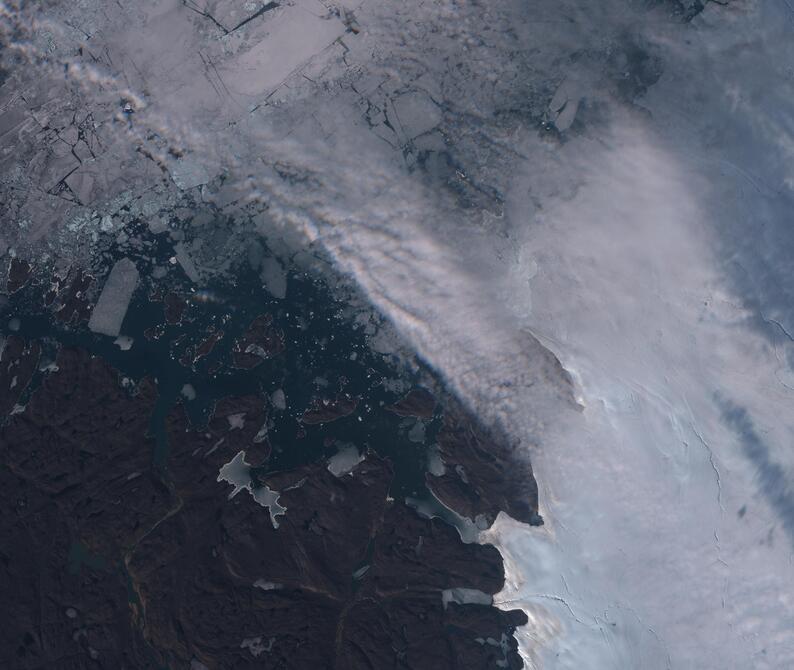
773, 482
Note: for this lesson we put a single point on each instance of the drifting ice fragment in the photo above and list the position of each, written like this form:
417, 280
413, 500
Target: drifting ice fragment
344, 460
274, 278
279, 400
184, 259
124, 342
188, 173
267, 586
564, 105
111, 308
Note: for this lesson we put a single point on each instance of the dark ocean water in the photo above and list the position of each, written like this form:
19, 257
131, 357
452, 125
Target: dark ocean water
326, 353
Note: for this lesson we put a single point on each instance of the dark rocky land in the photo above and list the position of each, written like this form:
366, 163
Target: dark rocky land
172, 504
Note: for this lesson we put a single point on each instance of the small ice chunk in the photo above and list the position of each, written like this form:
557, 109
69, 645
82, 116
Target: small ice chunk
274, 278
395, 385
71, 612
267, 586
559, 99
188, 173
432, 507
14, 325
435, 464
236, 421
417, 113
124, 342
261, 434
111, 308
214, 447
358, 574
255, 645
567, 116
183, 258
279, 400
46, 366
189, 392
384, 341
564, 105
417, 433
157, 225
465, 597
344, 460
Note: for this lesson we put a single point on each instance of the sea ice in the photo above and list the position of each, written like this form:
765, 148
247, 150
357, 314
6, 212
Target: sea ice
111, 308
